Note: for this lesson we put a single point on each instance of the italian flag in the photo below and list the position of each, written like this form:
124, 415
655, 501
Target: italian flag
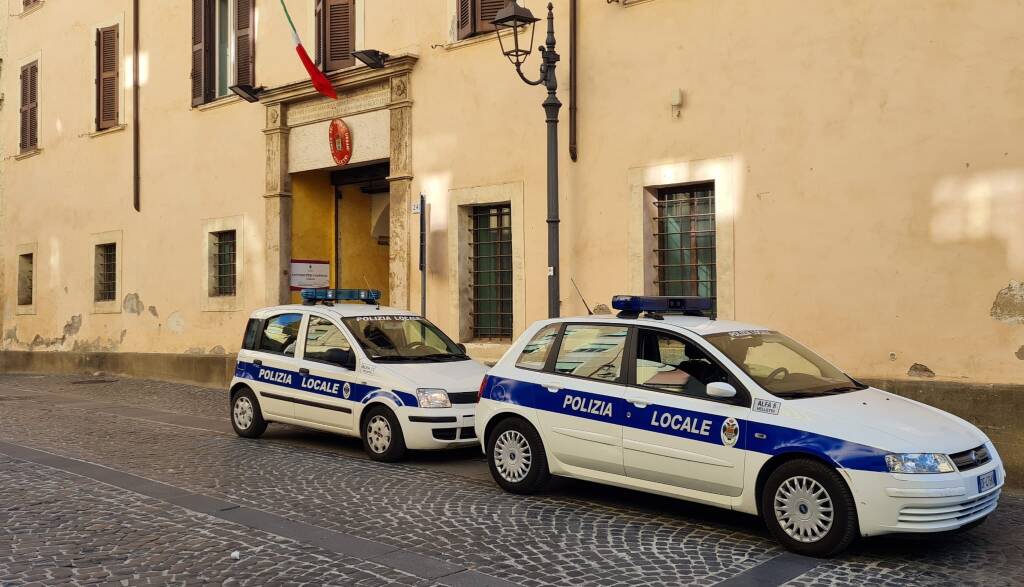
320, 81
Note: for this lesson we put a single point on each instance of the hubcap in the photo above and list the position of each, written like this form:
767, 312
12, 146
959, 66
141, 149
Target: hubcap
378, 434
803, 509
243, 413
512, 456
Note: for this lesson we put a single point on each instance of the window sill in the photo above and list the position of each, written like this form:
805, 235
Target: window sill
106, 131
22, 310
221, 304
474, 40
27, 11
218, 103
27, 154
106, 307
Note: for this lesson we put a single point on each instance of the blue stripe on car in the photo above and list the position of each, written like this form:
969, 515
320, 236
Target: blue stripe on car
777, 439
324, 386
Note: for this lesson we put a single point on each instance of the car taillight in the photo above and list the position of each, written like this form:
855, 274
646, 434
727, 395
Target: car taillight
483, 386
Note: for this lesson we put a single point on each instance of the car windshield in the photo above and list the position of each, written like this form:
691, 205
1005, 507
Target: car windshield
407, 339
781, 365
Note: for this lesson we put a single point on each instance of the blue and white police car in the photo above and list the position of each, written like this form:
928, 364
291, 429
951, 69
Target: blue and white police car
385, 375
732, 415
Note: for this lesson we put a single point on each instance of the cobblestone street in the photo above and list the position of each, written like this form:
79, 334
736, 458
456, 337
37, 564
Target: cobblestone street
132, 482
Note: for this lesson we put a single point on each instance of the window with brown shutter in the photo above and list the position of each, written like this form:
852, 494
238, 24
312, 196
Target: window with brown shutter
106, 78
29, 107
338, 23
202, 52
245, 46
474, 16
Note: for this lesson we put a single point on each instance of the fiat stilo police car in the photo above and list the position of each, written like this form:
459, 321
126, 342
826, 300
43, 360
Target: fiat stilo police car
385, 375
732, 415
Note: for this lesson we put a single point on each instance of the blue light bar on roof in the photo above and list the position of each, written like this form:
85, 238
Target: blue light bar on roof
314, 295
662, 304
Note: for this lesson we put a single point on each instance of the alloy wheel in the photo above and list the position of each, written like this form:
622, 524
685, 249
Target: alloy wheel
804, 509
512, 456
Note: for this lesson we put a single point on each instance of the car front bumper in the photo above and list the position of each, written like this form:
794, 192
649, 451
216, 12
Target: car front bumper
889, 502
439, 428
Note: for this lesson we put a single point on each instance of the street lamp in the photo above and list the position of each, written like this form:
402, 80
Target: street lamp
514, 20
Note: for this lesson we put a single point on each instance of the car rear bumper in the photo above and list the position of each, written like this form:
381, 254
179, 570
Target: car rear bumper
889, 503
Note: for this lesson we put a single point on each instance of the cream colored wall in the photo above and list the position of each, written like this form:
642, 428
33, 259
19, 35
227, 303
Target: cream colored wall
881, 186
876, 208
196, 165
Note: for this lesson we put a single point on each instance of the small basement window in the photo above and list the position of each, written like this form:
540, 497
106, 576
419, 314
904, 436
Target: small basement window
223, 263
106, 272
25, 268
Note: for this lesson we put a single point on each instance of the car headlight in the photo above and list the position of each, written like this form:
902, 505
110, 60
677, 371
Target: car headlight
433, 398
919, 463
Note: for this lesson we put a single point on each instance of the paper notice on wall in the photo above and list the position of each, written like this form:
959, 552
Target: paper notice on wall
306, 273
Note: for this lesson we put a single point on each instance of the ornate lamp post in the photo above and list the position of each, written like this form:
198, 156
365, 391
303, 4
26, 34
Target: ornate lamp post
518, 19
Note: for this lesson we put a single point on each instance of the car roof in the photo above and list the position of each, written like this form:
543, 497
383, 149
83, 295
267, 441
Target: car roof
696, 324
339, 310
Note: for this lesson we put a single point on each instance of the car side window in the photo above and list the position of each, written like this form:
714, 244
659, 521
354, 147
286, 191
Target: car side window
535, 353
673, 364
280, 333
321, 336
593, 351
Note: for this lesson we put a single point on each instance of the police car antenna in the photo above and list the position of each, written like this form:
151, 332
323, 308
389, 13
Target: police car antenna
367, 282
585, 304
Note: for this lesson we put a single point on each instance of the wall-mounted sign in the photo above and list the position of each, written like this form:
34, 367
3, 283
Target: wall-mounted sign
341, 141
310, 273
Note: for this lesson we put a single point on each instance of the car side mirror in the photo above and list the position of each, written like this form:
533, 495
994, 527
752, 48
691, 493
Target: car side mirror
721, 389
341, 358
461, 347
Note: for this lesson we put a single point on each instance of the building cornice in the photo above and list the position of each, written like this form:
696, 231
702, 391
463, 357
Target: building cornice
345, 79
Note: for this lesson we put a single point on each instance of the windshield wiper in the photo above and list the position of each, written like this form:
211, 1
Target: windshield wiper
842, 389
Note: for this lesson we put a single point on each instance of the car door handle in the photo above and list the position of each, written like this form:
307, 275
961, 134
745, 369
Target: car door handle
552, 387
258, 362
638, 403
304, 371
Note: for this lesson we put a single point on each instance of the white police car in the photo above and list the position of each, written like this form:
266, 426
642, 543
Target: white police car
731, 415
388, 376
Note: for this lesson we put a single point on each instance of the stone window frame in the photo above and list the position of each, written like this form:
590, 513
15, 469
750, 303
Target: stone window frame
460, 204
644, 183
102, 238
19, 250
214, 303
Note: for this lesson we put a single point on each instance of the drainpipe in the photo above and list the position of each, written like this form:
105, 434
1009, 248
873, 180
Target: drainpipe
573, 8
135, 107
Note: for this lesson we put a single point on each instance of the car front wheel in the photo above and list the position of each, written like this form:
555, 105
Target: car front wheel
382, 435
809, 509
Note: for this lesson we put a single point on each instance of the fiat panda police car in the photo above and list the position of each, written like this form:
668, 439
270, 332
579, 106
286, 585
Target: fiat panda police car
385, 375
732, 415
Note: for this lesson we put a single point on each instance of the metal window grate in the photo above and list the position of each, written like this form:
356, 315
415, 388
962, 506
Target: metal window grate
106, 272
491, 255
685, 232
223, 263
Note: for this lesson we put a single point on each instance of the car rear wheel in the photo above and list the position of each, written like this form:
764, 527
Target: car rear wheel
515, 454
809, 509
382, 435
246, 416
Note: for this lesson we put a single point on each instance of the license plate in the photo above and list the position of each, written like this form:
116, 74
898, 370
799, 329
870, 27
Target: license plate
986, 481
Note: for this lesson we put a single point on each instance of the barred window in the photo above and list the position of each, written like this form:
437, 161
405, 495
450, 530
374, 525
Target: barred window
222, 263
106, 272
25, 268
491, 247
686, 240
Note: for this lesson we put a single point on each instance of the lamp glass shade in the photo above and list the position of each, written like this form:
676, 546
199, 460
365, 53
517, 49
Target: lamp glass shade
517, 18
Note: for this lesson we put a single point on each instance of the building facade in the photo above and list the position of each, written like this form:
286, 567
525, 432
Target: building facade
849, 173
